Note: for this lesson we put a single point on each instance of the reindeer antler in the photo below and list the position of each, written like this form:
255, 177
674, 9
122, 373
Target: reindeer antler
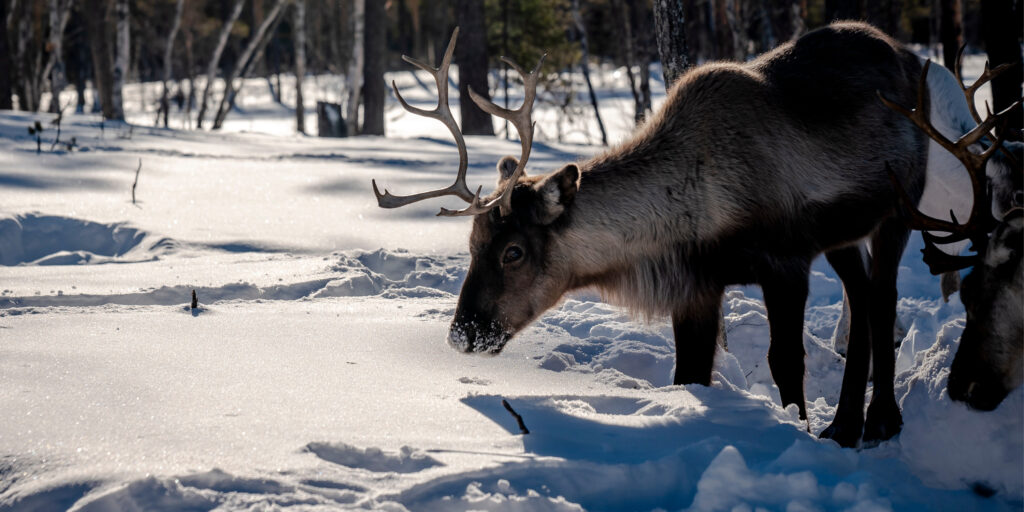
980, 221
520, 117
442, 112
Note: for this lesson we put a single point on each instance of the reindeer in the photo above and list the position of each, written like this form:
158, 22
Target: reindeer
990, 361
746, 174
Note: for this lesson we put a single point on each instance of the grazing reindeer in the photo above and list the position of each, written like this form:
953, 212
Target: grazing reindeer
990, 361
747, 173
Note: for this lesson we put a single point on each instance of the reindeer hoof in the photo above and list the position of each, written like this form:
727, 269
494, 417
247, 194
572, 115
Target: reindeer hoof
884, 421
846, 433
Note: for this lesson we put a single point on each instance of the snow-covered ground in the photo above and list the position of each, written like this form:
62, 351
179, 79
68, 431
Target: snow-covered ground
315, 373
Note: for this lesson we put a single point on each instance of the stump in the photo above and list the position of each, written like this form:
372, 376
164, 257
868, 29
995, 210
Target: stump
329, 121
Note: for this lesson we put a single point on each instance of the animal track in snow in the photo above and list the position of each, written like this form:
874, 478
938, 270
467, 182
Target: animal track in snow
376, 460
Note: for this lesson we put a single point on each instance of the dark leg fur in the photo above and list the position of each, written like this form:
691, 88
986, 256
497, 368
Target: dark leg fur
884, 420
696, 332
785, 295
849, 420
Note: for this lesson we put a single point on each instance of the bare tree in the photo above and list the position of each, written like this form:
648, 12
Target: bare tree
122, 52
950, 31
300, 63
471, 57
246, 59
670, 29
1002, 28
95, 13
581, 34
60, 11
168, 50
218, 51
645, 48
5, 61
354, 77
375, 48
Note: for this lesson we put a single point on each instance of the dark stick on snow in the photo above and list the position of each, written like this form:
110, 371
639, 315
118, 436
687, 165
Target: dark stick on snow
195, 300
519, 419
136, 183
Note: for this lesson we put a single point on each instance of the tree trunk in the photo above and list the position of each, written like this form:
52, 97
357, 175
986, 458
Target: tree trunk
670, 29
620, 8
190, 72
6, 102
211, 67
1002, 28
165, 106
246, 60
581, 33
787, 18
23, 25
60, 11
375, 48
951, 31
300, 63
95, 12
841, 10
471, 57
645, 49
354, 77
121, 59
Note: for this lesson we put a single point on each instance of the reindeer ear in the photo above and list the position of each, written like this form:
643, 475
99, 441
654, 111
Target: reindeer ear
506, 167
556, 192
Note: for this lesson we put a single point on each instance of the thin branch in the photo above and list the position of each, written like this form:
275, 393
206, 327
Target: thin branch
136, 182
519, 419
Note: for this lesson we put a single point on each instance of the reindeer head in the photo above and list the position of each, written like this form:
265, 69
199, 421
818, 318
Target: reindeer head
990, 361
511, 277
988, 364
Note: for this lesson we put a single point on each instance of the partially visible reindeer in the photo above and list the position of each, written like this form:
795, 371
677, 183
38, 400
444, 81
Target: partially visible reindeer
746, 174
990, 361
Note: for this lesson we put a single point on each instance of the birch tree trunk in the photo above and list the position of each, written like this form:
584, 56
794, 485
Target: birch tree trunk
211, 68
60, 11
581, 32
244, 61
354, 77
300, 63
168, 50
670, 30
121, 57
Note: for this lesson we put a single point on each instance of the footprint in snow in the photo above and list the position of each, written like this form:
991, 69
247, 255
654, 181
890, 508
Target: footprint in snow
406, 460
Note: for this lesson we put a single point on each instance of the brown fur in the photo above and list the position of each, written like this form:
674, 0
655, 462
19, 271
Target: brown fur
746, 174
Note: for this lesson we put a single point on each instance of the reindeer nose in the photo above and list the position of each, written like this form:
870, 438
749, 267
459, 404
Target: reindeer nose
460, 337
979, 394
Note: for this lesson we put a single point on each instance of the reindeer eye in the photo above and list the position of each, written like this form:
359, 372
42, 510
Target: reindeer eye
512, 254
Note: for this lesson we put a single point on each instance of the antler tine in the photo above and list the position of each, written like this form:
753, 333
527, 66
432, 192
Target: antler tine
980, 220
521, 118
987, 75
442, 112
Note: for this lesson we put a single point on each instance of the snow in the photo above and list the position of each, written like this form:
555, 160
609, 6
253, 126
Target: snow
315, 375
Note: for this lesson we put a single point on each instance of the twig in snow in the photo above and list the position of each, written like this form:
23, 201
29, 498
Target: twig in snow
37, 130
134, 184
56, 121
195, 300
519, 419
